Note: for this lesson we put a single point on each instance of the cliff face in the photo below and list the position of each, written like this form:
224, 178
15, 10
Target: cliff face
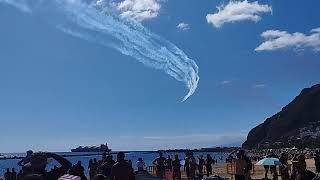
298, 121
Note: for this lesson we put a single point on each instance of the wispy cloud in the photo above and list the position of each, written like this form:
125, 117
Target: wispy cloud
139, 10
94, 22
225, 82
183, 26
236, 11
275, 40
20, 4
256, 86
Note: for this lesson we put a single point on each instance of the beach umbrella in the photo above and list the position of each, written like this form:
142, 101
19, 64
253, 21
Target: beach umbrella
269, 162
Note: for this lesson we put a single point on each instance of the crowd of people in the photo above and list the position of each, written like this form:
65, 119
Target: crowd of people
297, 171
34, 167
195, 168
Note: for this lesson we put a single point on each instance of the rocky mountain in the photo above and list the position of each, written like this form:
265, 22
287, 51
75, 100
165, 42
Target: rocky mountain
297, 124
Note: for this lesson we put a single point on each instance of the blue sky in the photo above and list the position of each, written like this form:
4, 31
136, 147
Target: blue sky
59, 91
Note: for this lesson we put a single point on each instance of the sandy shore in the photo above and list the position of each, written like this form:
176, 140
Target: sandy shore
257, 173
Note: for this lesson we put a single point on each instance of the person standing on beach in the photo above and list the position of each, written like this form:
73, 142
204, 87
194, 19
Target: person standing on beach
121, 170
209, 162
94, 167
78, 170
273, 169
169, 163
302, 172
186, 163
106, 166
141, 164
191, 166
26, 160
317, 161
283, 168
201, 164
240, 165
20, 175
7, 175
176, 165
90, 168
13, 174
159, 162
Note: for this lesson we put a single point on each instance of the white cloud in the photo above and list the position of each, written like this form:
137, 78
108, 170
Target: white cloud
275, 39
183, 26
236, 11
139, 10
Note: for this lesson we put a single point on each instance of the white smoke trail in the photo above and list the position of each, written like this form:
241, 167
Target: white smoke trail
102, 25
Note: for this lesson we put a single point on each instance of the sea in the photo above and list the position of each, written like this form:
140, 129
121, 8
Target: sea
147, 156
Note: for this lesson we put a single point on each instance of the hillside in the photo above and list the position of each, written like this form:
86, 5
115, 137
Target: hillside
297, 124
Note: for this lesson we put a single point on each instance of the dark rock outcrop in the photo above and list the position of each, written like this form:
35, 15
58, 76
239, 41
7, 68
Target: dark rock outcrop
298, 122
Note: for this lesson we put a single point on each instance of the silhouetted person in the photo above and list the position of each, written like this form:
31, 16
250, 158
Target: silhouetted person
90, 168
273, 169
169, 163
248, 167
209, 162
240, 165
283, 168
94, 167
7, 174
192, 166
106, 166
13, 174
302, 172
20, 175
186, 163
38, 164
317, 161
141, 164
159, 162
26, 160
78, 170
176, 166
104, 156
121, 170
201, 164
131, 165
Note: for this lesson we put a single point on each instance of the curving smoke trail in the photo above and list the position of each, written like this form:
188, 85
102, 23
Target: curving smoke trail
101, 24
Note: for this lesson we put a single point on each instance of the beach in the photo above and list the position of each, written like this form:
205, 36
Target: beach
221, 168
257, 173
